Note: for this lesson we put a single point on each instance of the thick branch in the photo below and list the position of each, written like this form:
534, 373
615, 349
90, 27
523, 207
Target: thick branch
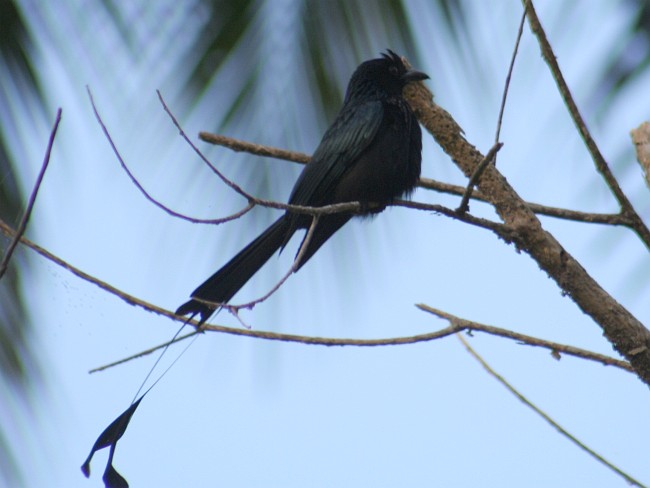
622, 329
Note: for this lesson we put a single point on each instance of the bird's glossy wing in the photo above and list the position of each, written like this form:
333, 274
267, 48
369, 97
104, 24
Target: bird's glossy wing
352, 132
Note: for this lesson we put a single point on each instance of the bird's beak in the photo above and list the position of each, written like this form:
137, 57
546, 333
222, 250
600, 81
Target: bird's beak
413, 75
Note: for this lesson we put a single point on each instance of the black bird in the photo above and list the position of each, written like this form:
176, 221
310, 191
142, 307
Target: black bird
371, 154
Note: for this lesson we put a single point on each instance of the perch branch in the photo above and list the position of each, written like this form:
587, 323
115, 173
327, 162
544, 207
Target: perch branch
427, 183
626, 333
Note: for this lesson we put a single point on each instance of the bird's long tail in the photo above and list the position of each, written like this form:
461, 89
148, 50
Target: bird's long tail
222, 286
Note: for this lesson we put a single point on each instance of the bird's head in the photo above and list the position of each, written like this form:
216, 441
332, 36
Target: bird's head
385, 76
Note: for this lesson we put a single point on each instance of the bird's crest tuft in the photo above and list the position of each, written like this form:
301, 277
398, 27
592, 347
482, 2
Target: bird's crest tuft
392, 56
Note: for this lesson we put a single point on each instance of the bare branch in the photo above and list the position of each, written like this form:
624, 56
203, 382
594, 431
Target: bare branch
601, 165
294, 267
489, 157
130, 299
560, 213
506, 87
234, 309
546, 417
626, 333
555, 347
257, 149
457, 325
32, 198
427, 183
144, 353
496, 227
234, 186
146, 194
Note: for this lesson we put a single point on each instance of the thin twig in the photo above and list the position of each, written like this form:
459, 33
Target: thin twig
234, 309
487, 160
511, 68
352, 207
32, 198
130, 299
546, 417
234, 186
627, 209
491, 156
238, 145
555, 347
300, 339
146, 352
249, 206
498, 228
294, 266
557, 212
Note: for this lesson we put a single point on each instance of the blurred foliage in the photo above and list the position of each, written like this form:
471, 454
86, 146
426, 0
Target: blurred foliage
632, 57
17, 359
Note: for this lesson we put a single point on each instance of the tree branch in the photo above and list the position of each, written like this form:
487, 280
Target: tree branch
456, 324
238, 145
22, 226
627, 209
427, 183
622, 329
546, 417
555, 347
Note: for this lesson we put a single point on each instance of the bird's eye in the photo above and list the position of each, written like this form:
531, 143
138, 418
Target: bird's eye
393, 70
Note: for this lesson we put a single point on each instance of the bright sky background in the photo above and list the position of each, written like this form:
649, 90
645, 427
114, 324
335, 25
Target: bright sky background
242, 412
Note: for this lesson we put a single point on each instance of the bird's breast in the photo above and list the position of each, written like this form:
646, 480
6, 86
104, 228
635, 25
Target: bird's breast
390, 166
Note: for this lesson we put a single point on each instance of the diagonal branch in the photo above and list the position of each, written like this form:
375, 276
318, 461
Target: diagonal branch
546, 417
22, 226
144, 192
627, 209
234, 309
626, 333
238, 145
